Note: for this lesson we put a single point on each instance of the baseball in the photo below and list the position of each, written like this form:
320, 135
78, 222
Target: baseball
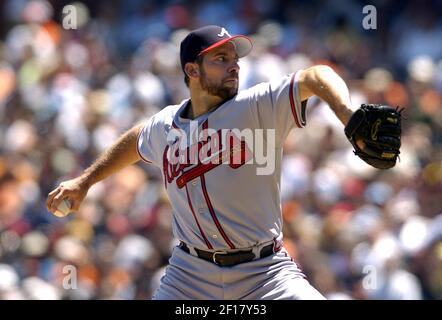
63, 209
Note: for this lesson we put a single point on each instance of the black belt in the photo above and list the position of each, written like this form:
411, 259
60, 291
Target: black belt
226, 259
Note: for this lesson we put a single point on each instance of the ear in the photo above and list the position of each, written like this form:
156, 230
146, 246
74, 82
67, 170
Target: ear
192, 70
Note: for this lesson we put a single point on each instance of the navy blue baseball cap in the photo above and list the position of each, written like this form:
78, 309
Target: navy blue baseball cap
204, 39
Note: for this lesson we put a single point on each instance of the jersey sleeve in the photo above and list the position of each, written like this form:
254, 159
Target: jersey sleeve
145, 142
278, 106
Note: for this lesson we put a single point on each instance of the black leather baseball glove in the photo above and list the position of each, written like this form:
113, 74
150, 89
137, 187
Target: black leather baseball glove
377, 128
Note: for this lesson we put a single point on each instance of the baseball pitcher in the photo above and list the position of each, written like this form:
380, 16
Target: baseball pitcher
223, 190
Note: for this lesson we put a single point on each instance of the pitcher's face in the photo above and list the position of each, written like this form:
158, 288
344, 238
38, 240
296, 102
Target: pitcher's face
219, 71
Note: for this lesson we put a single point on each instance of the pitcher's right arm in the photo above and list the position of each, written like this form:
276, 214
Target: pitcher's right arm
120, 155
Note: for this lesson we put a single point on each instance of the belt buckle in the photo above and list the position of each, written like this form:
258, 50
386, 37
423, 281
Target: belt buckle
214, 256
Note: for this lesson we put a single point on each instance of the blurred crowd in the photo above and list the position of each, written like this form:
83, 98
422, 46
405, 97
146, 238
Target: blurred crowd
67, 94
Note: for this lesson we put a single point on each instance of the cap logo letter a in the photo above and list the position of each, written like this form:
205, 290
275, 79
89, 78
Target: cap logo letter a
223, 33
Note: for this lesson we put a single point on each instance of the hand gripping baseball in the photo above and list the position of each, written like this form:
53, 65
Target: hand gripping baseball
67, 197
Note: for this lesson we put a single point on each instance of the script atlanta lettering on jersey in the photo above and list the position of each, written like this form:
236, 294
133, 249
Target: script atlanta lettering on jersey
210, 148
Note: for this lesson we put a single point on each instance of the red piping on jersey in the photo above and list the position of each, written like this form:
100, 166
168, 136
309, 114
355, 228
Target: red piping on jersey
205, 125
212, 212
277, 245
292, 101
209, 246
138, 150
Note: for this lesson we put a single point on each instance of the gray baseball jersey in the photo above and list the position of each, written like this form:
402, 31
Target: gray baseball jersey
228, 198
